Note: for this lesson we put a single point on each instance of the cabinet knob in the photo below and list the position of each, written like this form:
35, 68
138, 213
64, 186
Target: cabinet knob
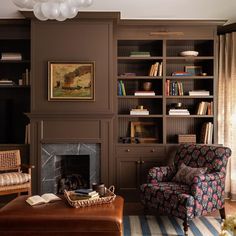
153, 150
142, 162
127, 150
138, 162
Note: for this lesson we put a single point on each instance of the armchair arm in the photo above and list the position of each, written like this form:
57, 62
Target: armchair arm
208, 177
209, 184
28, 167
160, 174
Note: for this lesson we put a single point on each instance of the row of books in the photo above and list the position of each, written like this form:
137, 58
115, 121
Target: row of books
206, 133
205, 108
156, 69
174, 88
121, 88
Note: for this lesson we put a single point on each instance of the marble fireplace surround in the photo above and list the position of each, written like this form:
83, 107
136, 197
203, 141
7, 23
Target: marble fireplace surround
51, 155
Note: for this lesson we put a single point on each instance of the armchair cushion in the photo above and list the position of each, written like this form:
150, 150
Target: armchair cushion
186, 174
13, 178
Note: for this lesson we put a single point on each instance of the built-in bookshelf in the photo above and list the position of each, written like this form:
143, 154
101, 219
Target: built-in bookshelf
173, 79
14, 80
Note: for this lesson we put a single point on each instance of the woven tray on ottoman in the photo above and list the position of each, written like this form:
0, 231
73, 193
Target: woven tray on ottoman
108, 198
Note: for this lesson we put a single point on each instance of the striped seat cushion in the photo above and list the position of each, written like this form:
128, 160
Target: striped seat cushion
13, 178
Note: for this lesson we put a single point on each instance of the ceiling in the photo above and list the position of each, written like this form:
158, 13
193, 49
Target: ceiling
152, 9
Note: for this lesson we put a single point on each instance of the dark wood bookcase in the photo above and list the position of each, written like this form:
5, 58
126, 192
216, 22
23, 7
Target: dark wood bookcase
14, 99
134, 156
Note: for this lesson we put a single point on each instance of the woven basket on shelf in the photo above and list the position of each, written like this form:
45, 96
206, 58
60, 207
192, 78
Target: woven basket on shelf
108, 198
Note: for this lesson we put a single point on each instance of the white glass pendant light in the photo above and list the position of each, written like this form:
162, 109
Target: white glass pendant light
53, 9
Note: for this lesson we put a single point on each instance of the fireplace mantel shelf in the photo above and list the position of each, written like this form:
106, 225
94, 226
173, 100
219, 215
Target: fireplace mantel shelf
69, 115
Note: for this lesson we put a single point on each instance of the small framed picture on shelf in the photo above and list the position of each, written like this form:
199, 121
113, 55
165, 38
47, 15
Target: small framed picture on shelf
144, 132
194, 70
71, 81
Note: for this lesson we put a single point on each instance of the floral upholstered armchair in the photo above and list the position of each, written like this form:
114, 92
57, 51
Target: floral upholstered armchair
192, 186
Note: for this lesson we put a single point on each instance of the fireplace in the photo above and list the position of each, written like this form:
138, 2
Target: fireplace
78, 162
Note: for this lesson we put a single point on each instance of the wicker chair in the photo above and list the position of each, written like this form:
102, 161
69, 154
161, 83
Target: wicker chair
12, 179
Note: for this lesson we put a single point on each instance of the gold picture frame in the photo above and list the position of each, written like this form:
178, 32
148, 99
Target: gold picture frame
194, 70
71, 81
144, 132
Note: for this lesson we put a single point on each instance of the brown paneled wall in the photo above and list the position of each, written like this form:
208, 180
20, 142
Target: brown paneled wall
72, 121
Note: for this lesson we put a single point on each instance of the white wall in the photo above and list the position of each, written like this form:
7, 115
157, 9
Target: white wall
152, 9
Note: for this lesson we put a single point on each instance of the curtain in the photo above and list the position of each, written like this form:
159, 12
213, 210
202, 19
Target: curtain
227, 105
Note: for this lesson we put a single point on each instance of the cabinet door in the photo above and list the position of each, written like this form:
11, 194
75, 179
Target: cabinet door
128, 177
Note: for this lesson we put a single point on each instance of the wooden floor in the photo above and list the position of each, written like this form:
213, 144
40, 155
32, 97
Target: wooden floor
137, 209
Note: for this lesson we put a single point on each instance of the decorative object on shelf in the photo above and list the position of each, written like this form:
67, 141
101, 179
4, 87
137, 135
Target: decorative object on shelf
128, 140
189, 53
193, 70
145, 132
147, 86
186, 138
54, 10
70, 81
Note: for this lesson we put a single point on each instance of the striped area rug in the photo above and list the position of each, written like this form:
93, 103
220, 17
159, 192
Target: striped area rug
169, 226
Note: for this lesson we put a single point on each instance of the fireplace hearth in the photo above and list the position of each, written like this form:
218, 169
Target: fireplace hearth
69, 166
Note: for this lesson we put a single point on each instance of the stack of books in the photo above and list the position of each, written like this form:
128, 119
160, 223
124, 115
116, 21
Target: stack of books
144, 93
139, 54
11, 56
181, 73
82, 194
139, 112
199, 93
180, 112
6, 82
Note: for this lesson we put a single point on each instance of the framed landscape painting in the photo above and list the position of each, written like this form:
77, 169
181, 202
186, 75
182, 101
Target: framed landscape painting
71, 81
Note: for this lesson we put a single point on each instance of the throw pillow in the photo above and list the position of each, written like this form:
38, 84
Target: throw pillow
185, 174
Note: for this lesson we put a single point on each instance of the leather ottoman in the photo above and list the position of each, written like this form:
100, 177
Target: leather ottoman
18, 218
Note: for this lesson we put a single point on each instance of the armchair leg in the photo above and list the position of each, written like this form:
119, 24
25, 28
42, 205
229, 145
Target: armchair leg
186, 225
222, 213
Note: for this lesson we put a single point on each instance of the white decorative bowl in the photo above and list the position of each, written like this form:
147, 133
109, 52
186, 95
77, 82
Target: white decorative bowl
189, 53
